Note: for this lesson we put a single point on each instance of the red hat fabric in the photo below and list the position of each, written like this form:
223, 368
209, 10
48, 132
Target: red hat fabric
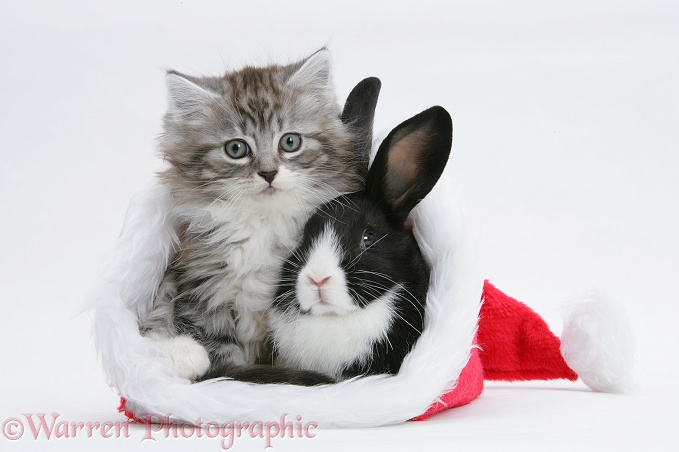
516, 343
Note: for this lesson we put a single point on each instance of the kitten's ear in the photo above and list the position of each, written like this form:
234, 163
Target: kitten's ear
410, 161
185, 96
359, 115
314, 72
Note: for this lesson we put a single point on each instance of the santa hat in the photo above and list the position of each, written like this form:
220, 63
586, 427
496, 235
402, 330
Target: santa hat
516, 344
472, 332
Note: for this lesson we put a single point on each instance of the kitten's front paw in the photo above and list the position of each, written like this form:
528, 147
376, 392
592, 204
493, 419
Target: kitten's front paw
187, 356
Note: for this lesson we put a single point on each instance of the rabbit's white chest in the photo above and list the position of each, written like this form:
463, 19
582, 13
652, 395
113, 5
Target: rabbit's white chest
329, 343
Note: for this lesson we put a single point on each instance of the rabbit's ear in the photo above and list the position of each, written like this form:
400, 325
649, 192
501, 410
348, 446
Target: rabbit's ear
410, 161
359, 108
358, 115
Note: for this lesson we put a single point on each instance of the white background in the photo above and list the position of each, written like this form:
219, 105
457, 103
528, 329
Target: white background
565, 144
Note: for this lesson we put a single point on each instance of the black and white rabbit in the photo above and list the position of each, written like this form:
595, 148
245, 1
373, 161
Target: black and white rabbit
352, 296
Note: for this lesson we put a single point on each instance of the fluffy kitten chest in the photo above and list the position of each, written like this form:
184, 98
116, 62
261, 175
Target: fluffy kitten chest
252, 259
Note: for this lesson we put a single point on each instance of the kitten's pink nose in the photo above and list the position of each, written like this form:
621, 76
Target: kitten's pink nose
318, 283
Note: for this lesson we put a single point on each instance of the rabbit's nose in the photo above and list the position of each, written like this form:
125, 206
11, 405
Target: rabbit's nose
318, 283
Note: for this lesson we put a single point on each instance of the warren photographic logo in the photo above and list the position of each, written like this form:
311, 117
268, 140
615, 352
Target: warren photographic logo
53, 427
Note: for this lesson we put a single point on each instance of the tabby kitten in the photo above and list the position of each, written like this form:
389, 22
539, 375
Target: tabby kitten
251, 155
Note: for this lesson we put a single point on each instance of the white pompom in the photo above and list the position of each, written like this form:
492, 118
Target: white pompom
598, 343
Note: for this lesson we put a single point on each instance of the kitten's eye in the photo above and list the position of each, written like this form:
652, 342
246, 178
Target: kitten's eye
290, 142
236, 149
368, 238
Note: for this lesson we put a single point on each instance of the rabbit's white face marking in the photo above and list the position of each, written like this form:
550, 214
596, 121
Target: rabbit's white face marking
330, 343
321, 284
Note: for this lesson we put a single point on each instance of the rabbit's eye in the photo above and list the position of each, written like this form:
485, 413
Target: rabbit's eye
368, 238
290, 142
236, 149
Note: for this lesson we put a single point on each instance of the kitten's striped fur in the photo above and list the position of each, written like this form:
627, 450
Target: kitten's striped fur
239, 218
